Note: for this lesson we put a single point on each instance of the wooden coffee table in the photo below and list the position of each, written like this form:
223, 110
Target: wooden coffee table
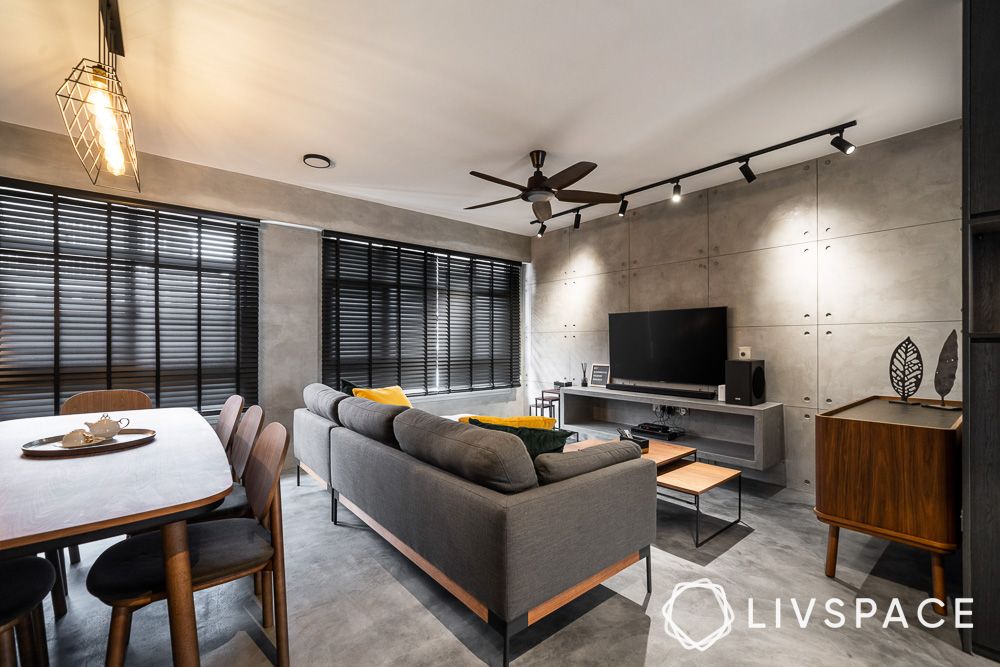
695, 478
663, 454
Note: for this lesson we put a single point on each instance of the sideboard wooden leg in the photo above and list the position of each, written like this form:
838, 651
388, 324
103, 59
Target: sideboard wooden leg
937, 583
831, 551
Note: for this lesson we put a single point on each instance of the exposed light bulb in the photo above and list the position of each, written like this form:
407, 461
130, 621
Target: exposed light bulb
107, 123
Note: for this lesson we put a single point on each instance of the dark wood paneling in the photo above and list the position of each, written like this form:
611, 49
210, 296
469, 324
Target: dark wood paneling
982, 125
982, 517
985, 277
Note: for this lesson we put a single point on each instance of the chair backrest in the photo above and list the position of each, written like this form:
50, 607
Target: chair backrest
264, 468
228, 416
246, 435
105, 400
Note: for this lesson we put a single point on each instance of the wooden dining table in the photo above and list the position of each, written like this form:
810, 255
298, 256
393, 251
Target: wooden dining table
52, 503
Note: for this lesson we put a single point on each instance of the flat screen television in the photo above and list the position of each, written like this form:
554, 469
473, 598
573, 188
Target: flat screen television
686, 346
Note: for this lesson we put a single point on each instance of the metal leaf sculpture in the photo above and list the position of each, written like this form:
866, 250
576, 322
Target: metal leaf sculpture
906, 369
944, 376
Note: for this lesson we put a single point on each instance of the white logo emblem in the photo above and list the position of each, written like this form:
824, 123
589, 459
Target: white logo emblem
675, 631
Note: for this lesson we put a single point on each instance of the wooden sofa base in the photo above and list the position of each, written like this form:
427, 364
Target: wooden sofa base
506, 627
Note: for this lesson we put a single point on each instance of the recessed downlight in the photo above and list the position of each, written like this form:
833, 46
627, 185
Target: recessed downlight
317, 161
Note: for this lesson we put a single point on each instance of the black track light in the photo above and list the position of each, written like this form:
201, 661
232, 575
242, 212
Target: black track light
842, 144
748, 172
623, 208
676, 197
576, 220
541, 231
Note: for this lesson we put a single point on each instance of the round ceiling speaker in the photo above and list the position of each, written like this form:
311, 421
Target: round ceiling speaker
317, 161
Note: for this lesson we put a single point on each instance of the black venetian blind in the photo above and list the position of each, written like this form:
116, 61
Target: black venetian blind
431, 321
101, 293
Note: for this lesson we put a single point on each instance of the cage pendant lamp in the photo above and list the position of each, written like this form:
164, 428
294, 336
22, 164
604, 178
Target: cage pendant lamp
95, 109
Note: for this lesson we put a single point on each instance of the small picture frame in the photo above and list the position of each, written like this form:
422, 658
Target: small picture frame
599, 374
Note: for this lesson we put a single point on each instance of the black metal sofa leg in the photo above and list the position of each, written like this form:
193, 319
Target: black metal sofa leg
333, 506
298, 475
649, 569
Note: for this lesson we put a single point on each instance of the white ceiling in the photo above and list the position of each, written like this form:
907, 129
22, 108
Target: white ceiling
407, 97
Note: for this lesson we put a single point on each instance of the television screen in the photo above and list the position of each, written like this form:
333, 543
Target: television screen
677, 346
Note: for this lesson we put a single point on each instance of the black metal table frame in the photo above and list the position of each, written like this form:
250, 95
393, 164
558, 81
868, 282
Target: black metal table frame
698, 542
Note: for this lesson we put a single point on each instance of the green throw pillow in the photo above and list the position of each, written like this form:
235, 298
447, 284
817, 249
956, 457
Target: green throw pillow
536, 440
348, 387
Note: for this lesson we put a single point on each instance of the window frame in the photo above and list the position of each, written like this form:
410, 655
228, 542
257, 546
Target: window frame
244, 274
330, 294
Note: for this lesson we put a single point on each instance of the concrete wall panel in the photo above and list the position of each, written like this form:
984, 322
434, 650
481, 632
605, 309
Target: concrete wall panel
901, 275
668, 232
800, 448
600, 246
769, 287
550, 256
666, 286
591, 298
549, 303
907, 180
789, 354
779, 208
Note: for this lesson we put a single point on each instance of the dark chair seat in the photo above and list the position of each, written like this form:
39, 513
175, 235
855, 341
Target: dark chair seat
133, 569
26, 582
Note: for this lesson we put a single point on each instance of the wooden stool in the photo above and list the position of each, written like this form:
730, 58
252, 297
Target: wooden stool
26, 582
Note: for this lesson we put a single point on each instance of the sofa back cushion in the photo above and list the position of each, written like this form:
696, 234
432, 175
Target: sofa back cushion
323, 401
556, 467
370, 419
493, 459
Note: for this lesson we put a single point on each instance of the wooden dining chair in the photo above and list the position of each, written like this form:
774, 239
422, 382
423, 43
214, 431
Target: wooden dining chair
229, 416
235, 505
26, 582
129, 575
101, 400
106, 400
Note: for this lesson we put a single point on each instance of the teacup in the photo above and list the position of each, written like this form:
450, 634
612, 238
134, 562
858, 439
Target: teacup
78, 438
106, 427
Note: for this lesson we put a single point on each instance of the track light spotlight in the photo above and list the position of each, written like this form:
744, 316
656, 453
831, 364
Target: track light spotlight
576, 220
748, 172
541, 231
842, 144
623, 208
677, 192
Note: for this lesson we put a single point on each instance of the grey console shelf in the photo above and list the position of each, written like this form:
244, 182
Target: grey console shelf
745, 436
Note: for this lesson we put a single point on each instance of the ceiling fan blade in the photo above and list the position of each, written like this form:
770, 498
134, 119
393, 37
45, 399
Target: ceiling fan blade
586, 197
542, 210
494, 179
491, 203
569, 175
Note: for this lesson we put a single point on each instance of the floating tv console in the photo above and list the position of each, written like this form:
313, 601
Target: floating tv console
741, 435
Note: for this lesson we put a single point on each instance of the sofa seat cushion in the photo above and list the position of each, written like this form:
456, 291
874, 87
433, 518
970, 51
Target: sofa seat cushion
370, 419
496, 460
323, 401
536, 440
556, 467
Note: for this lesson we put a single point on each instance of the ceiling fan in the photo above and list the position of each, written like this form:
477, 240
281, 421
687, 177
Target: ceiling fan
541, 189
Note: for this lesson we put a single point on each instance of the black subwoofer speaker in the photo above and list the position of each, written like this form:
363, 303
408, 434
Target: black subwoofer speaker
745, 384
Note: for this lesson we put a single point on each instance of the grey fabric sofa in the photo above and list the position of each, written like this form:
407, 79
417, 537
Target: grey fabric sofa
465, 504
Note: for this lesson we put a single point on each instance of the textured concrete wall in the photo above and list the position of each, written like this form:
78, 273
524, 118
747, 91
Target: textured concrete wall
290, 257
825, 267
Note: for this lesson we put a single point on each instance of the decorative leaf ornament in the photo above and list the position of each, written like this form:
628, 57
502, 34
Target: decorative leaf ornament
944, 376
906, 369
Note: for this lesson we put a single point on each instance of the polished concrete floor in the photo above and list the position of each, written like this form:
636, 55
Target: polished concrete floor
353, 600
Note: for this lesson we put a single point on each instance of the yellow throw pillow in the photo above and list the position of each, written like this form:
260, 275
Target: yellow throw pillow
526, 421
385, 395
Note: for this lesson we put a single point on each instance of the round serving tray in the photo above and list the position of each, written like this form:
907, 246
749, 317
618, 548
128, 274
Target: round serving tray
51, 447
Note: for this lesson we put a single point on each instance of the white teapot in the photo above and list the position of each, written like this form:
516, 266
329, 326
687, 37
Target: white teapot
106, 427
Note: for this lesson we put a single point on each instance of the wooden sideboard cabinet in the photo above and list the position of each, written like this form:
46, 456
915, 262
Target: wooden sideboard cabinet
892, 471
